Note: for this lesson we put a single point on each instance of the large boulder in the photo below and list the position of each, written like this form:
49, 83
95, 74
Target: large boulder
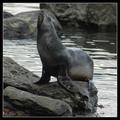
39, 105
15, 28
13, 72
7, 14
101, 17
24, 25
23, 92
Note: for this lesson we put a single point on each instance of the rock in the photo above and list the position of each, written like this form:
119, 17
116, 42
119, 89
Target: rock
15, 28
39, 105
24, 25
11, 110
7, 14
16, 76
101, 17
8, 112
31, 19
32, 16
14, 72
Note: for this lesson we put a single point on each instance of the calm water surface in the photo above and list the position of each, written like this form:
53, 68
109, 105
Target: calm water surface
100, 46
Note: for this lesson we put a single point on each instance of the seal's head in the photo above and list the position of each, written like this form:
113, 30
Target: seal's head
47, 20
44, 21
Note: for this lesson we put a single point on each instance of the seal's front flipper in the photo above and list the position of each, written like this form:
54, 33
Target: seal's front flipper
45, 78
68, 84
42, 81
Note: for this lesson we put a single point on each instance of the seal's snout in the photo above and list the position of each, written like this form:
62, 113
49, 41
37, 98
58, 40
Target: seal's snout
40, 18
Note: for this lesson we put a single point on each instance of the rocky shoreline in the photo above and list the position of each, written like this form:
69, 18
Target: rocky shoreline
90, 17
24, 98
24, 25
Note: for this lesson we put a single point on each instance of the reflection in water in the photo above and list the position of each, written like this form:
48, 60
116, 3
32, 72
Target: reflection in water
100, 46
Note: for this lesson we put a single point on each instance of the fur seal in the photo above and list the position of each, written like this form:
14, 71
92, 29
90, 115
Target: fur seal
57, 60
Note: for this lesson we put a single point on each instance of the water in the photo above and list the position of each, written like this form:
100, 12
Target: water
100, 46
16, 8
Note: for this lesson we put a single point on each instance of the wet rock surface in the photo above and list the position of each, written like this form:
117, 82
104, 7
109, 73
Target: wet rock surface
93, 17
22, 94
90, 17
24, 25
38, 105
15, 28
7, 15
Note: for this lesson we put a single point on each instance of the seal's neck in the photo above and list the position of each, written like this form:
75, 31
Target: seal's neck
47, 37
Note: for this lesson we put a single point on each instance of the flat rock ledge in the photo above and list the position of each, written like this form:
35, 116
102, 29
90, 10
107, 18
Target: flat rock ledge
22, 96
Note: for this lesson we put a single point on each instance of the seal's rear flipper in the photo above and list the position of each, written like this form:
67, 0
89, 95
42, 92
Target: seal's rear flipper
68, 84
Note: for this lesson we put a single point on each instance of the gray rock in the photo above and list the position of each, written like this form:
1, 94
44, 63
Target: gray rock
101, 17
15, 28
16, 76
39, 105
24, 25
12, 73
7, 14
